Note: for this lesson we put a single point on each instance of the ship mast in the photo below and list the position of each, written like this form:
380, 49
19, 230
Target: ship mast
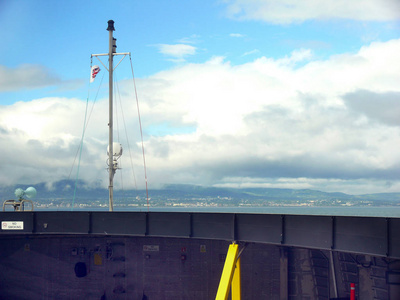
111, 169
114, 150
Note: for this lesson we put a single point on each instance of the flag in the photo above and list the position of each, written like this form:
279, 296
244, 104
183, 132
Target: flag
93, 73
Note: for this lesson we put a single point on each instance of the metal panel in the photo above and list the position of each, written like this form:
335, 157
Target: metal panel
394, 237
62, 222
367, 235
362, 235
169, 224
259, 228
308, 231
25, 217
119, 223
213, 226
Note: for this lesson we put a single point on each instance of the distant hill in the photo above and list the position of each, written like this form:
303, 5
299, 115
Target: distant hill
175, 192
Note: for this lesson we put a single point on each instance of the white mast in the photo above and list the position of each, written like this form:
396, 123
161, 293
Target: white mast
111, 170
113, 154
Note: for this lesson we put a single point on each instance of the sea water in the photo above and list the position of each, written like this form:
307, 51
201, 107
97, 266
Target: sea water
296, 210
361, 211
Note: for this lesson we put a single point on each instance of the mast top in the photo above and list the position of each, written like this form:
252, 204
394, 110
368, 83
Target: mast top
110, 25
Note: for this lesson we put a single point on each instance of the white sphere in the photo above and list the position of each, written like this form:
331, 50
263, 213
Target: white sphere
117, 149
30, 192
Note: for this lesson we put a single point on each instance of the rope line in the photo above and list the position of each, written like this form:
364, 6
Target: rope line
81, 145
141, 134
85, 125
115, 98
127, 138
80, 155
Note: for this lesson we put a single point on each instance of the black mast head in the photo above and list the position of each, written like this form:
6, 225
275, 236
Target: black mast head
111, 25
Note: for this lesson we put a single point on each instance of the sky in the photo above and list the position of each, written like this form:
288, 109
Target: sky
231, 93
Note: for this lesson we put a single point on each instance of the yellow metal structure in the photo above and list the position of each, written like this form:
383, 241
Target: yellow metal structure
230, 275
236, 288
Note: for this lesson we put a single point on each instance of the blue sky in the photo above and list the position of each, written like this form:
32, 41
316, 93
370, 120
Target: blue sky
59, 33
301, 95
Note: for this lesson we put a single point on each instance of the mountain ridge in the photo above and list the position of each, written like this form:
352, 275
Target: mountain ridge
65, 189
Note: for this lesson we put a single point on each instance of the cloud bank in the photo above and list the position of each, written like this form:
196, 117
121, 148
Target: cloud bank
292, 122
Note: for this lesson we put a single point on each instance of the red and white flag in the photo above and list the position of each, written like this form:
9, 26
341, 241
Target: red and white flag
93, 73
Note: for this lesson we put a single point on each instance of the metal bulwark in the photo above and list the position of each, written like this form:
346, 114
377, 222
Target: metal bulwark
376, 236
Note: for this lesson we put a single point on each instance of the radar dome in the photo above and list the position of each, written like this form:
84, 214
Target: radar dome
19, 193
117, 149
30, 192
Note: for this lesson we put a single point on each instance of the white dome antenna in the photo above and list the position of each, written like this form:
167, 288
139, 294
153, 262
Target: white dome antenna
117, 152
19, 205
30, 192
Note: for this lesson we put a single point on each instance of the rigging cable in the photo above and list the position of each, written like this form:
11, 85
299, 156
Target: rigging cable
141, 133
126, 135
80, 149
85, 125
116, 91
80, 155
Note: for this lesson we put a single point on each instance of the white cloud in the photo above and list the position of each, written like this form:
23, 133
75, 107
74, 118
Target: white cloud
178, 50
26, 76
270, 118
255, 51
193, 39
296, 56
42, 137
289, 122
290, 11
237, 35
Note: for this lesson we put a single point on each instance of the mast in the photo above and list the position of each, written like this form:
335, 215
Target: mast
114, 151
111, 169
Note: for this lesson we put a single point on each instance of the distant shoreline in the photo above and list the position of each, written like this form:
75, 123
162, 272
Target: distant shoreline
360, 211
